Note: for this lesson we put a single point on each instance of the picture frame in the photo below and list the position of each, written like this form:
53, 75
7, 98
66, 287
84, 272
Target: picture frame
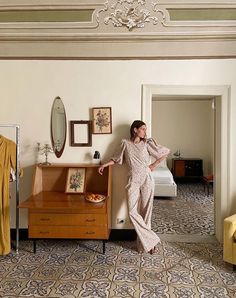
76, 180
81, 133
102, 120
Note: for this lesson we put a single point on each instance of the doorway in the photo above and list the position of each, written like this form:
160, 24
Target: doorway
186, 126
221, 144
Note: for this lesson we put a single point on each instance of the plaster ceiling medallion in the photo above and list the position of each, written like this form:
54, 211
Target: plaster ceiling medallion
131, 13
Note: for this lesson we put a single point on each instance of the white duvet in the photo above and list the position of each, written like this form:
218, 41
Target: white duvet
162, 175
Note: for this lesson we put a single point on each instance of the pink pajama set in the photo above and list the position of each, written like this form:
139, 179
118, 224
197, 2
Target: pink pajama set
140, 187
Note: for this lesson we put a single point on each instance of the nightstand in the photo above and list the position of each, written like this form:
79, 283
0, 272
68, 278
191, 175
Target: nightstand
187, 168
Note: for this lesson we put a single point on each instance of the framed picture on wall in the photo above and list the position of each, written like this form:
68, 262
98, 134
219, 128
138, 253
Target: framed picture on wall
81, 133
75, 182
102, 120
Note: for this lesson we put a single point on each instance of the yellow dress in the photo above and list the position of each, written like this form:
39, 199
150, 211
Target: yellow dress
7, 161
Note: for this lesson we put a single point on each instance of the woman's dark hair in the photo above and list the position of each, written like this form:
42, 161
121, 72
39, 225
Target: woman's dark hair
136, 124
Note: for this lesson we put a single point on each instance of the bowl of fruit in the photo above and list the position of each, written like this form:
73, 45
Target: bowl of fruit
94, 198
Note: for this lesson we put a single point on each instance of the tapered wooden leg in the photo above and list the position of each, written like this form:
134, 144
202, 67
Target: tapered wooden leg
103, 246
234, 268
208, 185
34, 246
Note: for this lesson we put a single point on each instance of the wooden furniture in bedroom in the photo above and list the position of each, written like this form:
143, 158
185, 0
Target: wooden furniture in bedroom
207, 181
52, 213
187, 168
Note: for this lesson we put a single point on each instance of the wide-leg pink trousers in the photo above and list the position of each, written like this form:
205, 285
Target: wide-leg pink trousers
140, 204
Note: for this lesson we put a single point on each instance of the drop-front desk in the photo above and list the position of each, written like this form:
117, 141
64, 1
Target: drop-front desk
52, 213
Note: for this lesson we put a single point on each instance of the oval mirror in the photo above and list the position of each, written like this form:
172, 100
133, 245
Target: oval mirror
58, 126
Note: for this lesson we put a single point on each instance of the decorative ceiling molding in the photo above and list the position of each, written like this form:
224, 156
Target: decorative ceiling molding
116, 18
131, 13
126, 29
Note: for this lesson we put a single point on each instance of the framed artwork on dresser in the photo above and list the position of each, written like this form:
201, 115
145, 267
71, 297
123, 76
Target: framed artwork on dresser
75, 182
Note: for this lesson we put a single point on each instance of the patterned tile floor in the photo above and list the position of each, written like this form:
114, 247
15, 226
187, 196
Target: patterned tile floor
64, 268
191, 212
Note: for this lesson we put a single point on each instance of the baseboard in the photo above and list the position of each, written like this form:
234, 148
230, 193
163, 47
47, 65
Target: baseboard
23, 234
116, 235
123, 235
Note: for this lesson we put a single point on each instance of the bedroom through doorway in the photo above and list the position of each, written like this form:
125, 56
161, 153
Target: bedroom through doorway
184, 202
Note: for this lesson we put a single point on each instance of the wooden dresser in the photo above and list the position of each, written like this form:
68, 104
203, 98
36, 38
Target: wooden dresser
52, 213
187, 168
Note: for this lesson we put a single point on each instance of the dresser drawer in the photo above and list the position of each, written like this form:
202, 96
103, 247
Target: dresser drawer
179, 168
59, 219
187, 168
83, 232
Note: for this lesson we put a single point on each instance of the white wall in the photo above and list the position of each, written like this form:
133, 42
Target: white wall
28, 89
186, 125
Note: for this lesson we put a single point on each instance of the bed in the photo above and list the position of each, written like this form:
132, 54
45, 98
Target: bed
165, 185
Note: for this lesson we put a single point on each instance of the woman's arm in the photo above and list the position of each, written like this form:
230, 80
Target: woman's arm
157, 151
101, 168
156, 162
117, 158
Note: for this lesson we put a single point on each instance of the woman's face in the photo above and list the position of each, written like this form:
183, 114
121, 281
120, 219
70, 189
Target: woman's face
141, 131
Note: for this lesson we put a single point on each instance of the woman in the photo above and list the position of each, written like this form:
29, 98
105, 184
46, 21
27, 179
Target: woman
137, 151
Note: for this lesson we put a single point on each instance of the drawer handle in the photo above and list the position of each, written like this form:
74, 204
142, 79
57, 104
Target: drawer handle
90, 233
43, 232
90, 220
44, 219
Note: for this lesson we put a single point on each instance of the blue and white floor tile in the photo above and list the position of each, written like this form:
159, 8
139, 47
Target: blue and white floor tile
76, 268
175, 270
190, 213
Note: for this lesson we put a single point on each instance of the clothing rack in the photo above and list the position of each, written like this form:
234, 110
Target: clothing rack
17, 127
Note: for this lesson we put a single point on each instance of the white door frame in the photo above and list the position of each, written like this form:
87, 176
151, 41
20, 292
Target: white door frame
222, 136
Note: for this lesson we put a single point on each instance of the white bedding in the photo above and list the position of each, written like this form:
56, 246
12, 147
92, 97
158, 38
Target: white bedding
162, 176
165, 185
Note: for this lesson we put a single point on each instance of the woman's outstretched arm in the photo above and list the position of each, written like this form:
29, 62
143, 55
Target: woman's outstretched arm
116, 158
101, 168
